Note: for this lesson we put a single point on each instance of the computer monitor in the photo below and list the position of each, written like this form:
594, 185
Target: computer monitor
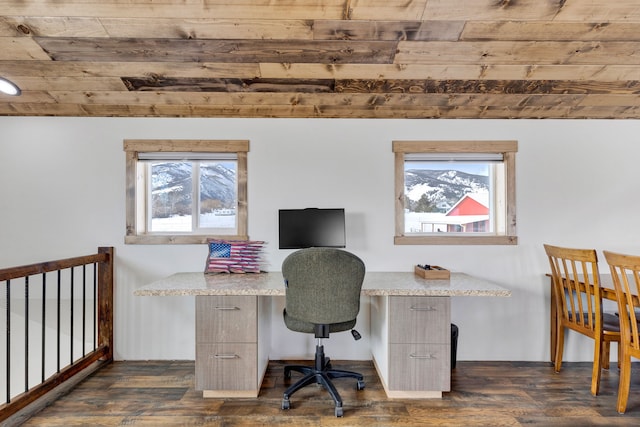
311, 227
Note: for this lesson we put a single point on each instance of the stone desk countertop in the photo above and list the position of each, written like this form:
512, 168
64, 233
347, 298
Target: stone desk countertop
272, 283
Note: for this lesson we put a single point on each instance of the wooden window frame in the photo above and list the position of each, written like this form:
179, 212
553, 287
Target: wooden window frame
508, 150
135, 210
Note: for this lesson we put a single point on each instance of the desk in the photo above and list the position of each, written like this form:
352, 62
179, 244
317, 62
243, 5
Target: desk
410, 328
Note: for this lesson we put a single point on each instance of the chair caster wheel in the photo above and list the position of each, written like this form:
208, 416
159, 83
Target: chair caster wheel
286, 404
287, 375
339, 412
360, 385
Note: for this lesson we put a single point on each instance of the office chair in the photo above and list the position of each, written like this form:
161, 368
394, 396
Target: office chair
322, 297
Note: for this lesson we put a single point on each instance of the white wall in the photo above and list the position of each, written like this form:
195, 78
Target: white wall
62, 194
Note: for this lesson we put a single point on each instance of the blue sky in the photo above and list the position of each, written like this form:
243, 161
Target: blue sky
476, 168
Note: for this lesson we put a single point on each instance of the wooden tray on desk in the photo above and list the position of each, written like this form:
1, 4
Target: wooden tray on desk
435, 273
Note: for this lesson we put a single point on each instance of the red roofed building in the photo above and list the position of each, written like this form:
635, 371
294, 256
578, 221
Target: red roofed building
471, 212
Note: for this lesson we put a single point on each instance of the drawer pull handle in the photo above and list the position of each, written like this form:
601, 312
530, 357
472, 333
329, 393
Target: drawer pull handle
418, 308
227, 308
423, 356
225, 356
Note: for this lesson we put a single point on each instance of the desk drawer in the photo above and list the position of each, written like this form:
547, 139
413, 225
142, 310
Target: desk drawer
419, 320
226, 319
419, 367
226, 367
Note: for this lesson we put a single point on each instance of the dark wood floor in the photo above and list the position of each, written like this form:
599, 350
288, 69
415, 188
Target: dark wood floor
483, 393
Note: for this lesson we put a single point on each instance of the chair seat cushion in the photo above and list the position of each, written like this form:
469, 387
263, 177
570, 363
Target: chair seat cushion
610, 322
309, 328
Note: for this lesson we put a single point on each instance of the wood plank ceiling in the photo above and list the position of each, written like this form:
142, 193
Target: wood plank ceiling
312, 58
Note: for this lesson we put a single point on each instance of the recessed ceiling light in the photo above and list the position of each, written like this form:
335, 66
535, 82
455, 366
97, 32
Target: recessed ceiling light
8, 87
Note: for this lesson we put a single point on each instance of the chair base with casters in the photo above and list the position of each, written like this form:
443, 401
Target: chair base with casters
321, 373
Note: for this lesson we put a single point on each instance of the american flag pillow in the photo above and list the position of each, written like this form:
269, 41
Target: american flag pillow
234, 256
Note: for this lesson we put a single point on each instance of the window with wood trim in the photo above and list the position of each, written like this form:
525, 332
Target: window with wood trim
185, 191
455, 192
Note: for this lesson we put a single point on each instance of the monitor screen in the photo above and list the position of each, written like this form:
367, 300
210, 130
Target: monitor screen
311, 227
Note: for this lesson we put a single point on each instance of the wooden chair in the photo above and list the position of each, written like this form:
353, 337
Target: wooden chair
625, 270
576, 286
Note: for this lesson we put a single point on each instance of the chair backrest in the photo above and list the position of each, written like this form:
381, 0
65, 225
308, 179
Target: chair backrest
576, 284
323, 285
625, 271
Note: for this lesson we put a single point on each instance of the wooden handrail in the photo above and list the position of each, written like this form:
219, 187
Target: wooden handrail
103, 352
46, 267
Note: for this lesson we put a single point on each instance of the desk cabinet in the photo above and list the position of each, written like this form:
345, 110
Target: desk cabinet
411, 346
231, 355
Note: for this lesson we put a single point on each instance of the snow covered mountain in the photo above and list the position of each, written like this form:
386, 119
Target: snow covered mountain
172, 187
439, 190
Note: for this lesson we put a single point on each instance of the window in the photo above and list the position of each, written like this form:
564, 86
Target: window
455, 192
185, 191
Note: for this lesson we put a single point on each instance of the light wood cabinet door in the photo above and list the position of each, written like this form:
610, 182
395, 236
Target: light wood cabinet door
221, 319
419, 320
227, 366
415, 367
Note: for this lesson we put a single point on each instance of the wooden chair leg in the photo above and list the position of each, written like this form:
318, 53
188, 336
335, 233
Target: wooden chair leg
559, 348
606, 354
625, 382
599, 349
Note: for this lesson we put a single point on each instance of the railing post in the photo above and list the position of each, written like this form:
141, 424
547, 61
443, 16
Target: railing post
105, 301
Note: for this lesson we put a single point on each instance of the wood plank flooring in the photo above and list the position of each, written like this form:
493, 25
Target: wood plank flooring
161, 393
